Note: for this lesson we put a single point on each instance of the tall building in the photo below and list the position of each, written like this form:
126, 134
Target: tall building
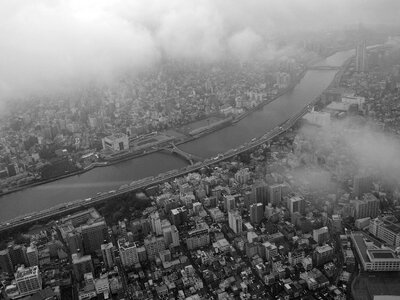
93, 236
336, 223
229, 202
107, 251
361, 184
249, 199
175, 236
5, 262
178, 215
322, 255
275, 193
321, 235
296, 257
269, 250
155, 223
18, 255
256, 213
242, 176
171, 236
128, 252
386, 230
296, 204
361, 57
116, 142
32, 254
81, 265
235, 221
74, 241
260, 192
28, 280
198, 237
368, 207
153, 246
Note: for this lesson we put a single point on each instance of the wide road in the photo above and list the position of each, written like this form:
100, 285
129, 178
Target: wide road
111, 177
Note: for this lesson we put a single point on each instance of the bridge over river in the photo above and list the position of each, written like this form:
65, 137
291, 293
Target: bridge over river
191, 158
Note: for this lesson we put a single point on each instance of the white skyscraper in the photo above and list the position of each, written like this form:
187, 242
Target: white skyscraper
235, 221
156, 223
128, 252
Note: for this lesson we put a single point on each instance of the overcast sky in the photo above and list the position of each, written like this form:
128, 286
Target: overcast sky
48, 44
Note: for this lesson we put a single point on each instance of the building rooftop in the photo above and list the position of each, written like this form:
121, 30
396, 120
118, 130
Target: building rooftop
24, 272
323, 249
124, 244
77, 259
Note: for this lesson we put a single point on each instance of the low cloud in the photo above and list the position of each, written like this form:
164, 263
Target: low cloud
51, 45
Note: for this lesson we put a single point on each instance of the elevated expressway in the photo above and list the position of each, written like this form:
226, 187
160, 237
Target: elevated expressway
70, 207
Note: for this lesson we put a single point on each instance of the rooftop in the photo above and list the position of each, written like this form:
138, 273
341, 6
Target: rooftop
24, 272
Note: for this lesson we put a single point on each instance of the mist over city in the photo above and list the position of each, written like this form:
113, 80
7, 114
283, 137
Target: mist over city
199, 149
60, 45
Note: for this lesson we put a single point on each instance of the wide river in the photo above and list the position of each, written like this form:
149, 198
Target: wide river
106, 178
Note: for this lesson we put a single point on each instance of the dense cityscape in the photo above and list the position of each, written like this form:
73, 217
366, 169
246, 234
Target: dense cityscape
308, 210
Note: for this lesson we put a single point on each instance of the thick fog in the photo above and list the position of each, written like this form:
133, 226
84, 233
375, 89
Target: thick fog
351, 146
55, 44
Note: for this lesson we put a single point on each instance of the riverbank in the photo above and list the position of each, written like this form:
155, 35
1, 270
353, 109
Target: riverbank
129, 156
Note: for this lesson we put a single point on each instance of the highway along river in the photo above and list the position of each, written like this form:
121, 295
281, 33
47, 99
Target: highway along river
111, 177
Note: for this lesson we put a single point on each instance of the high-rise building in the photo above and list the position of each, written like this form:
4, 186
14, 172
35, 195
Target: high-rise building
361, 184
116, 142
28, 280
361, 57
296, 204
107, 251
81, 265
93, 236
155, 223
5, 262
275, 193
128, 252
171, 236
321, 235
229, 203
153, 246
260, 192
32, 254
256, 213
249, 199
198, 237
175, 236
269, 250
178, 215
235, 221
387, 230
336, 223
296, 257
242, 176
18, 255
368, 207
74, 241
322, 255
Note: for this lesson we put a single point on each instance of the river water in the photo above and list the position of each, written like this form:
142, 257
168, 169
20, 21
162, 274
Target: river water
106, 178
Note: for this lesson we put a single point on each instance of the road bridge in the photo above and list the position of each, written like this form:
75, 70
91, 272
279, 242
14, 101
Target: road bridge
323, 68
188, 156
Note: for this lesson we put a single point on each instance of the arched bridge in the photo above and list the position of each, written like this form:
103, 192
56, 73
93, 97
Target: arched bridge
188, 156
323, 68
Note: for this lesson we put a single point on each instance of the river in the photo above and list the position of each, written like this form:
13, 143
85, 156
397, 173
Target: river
96, 180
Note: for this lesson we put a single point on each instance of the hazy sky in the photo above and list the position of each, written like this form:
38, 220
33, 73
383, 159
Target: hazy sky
50, 44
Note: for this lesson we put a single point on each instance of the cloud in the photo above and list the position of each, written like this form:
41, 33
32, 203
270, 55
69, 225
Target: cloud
51, 45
